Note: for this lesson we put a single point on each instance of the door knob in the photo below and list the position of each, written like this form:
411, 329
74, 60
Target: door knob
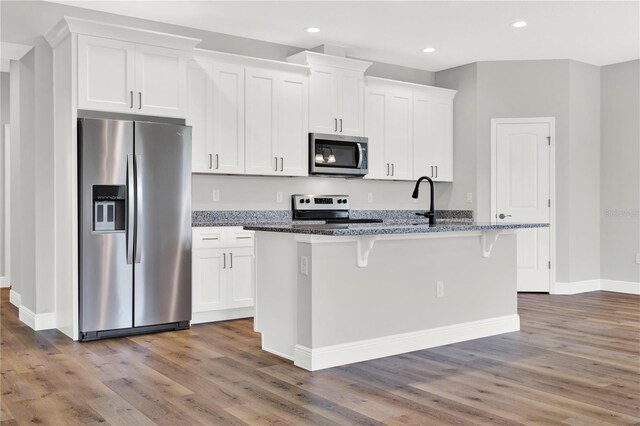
502, 215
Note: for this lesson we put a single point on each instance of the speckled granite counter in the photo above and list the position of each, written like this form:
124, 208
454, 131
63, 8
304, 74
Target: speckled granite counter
268, 217
388, 227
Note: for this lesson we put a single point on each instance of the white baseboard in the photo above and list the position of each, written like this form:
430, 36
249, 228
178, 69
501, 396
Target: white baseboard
37, 322
348, 353
222, 315
577, 287
4, 282
628, 287
14, 298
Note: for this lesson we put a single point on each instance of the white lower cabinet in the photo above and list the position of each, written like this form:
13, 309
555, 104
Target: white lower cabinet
223, 274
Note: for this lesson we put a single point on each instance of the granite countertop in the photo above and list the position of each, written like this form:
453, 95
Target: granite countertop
387, 227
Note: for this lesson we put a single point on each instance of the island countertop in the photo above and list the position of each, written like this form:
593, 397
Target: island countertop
393, 227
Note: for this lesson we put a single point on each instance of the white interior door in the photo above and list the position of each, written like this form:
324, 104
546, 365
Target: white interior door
523, 195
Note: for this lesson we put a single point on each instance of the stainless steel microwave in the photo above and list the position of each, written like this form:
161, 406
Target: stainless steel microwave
337, 155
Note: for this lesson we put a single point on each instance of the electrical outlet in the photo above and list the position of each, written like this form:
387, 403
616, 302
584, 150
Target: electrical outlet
304, 265
370, 197
216, 195
279, 197
638, 258
469, 197
440, 289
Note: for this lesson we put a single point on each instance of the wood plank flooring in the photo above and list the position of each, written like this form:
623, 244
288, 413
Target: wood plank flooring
576, 361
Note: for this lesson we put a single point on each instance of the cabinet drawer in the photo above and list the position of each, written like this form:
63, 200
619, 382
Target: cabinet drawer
222, 237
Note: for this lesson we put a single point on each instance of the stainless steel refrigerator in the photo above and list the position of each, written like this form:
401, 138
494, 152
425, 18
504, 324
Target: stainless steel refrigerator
135, 227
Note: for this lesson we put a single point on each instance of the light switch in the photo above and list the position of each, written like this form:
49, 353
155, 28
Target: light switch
469, 197
440, 289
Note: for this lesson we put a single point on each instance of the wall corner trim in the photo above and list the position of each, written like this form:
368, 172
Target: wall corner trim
44, 321
14, 298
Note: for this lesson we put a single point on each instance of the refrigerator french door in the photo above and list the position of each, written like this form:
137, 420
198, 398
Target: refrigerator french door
135, 227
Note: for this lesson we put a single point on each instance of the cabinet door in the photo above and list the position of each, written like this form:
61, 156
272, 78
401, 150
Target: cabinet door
261, 125
375, 129
323, 100
422, 164
199, 116
161, 82
106, 74
399, 135
292, 117
350, 103
241, 282
210, 280
228, 119
441, 138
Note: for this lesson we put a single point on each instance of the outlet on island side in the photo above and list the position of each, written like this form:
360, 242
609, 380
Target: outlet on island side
216, 195
279, 197
638, 258
440, 289
304, 265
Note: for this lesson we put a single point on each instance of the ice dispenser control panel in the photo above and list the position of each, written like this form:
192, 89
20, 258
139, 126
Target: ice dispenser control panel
109, 208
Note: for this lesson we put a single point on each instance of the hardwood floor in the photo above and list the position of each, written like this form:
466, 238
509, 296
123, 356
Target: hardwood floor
576, 361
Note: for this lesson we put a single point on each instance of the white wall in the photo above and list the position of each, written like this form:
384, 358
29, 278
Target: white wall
620, 171
4, 119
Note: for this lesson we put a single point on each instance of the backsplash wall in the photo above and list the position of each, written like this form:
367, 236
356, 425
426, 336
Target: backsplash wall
260, 193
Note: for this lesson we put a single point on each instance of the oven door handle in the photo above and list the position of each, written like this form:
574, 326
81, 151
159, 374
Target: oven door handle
359, 166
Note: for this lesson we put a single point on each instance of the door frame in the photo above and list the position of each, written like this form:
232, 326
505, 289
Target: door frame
551, 121
5, 280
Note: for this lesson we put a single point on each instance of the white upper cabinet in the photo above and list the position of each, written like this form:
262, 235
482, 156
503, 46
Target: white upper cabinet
433, 135
388, 125
336, 93
161, 81
216, 114
276, 123
106, 74
119, 76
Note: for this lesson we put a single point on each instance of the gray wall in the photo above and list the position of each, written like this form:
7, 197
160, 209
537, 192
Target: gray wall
4, 119
620, 171
564, 89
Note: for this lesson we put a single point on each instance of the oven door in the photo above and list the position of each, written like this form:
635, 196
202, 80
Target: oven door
337, 155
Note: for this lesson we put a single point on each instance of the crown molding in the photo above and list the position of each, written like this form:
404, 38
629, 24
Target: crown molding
307, 57
69, 25
11, 52
213, 55
440, 92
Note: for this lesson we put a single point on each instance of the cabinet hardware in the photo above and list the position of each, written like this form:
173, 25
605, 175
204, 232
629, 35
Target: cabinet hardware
387, 169
224, 260
431, 171
436, 171
281, 164
335, 124
210, 161
549, 202
230, 260
217, 161
131, 99
393, 169
139, 100
210, 238
502, 215
549, 264
341, 125
243, 238
276, 158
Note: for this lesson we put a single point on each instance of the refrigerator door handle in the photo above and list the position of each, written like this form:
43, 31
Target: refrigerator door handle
130, 209
138, 246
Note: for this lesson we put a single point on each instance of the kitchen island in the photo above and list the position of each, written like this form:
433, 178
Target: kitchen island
330, 295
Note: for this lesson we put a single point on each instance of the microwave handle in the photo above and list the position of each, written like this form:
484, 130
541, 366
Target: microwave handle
359, 166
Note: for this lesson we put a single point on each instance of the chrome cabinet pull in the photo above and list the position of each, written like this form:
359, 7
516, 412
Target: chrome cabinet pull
217, 161
131, 99
387, 169
231, 260
139, 100
210, 238
224, 260
281, 164
341, 125
393, 169
431, 171
436, 171
210, 161
335, 124
276, 158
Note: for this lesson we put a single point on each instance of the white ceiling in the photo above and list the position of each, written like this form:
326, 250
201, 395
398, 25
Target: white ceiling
597, 32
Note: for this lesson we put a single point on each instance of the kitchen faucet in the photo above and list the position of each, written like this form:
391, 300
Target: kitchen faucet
431, 214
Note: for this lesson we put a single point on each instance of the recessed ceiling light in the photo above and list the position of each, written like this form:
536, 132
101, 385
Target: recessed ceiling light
519, 24
429, 49
312, 29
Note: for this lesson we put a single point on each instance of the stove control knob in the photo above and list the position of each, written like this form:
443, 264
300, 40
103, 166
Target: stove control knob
339, 201
307, 201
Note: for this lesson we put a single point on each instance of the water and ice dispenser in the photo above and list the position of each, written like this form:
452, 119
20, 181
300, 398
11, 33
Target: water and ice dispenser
109, 208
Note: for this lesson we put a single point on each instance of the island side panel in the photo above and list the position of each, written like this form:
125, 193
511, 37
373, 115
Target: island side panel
276, 293
396, 292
